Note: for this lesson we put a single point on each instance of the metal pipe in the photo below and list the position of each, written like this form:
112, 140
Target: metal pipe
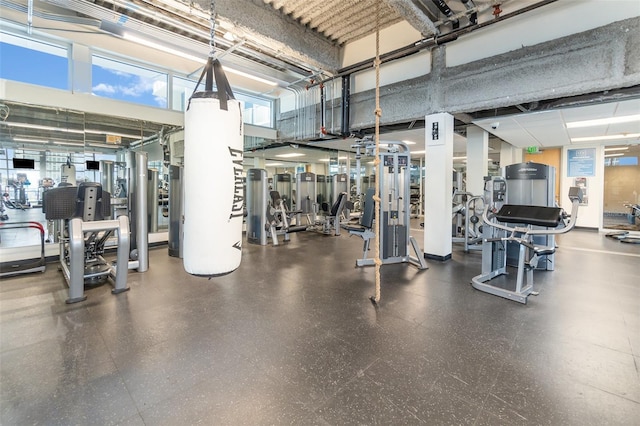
322, 117
152, 200
142, 235
431, 42
345, 97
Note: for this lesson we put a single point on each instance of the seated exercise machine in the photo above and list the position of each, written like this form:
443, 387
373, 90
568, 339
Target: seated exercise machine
267, 212
83, 211
506, 223
280, 219
364, 228
334, 215
393, 178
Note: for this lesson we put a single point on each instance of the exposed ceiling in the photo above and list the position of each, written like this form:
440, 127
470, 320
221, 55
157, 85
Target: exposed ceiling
291, 41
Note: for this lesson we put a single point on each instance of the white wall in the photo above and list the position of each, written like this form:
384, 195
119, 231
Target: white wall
391, 38
393, 72
559, 19
589, 216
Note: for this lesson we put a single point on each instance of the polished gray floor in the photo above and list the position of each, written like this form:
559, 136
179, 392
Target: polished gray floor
292, 338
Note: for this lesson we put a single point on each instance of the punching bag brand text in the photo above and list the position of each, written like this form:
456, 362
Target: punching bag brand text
238, 198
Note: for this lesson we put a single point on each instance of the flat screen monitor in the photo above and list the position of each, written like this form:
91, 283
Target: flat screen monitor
93, 165
24, 163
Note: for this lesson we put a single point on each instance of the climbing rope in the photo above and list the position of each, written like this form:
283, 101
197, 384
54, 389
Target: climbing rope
376, 162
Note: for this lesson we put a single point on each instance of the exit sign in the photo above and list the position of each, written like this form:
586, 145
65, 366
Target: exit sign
532, 150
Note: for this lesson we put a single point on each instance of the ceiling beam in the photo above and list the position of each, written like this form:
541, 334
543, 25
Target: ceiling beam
414, 16
261, 23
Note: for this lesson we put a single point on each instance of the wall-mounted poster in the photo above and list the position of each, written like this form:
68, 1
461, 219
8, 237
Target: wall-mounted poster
582, 182
581, 162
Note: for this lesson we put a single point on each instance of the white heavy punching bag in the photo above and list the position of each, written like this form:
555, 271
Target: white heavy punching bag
213, 187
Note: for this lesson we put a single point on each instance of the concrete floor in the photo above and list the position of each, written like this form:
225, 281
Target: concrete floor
291, 338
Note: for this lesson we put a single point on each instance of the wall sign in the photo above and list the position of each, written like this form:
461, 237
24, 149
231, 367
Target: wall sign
581, 162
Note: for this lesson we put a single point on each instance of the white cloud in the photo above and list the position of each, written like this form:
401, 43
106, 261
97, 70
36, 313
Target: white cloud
104, 88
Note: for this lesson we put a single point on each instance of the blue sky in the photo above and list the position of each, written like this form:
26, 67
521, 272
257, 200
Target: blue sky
31, 66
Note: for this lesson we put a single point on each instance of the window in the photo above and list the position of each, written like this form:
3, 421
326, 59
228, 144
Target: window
126, 82
34, 62
182, 90
256, 110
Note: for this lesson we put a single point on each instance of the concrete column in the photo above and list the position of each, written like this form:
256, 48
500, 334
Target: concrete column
477, 156
438, 186
509, 154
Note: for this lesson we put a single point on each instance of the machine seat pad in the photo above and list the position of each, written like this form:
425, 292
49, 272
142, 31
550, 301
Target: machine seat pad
354, 228
60, 203
544, 250
297, 228
530, 215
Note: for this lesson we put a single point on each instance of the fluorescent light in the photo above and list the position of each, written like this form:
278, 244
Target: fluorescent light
31, 140
290, 155
460, 158
418, 152
409, 142
614, 155
324, 160
273, 164
40, 127
247, 75
603, 121
108, 132
104, 145
67, 143
620, 148
606, 138
163, 48
202, 60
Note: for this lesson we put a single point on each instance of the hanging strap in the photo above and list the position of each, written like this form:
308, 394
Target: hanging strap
213, 71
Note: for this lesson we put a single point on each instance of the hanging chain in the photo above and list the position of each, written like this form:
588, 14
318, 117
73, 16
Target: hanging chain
212, 40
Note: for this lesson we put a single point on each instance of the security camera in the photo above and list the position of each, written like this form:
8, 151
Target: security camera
495, 125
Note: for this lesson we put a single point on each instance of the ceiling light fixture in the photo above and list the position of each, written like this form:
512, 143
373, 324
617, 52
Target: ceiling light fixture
603, 121
18, 139
104, 145
291, 155
201, 60
620, 148
606, 138
163, 48
40, 127
460, 158
614, 155
409, 142
108, 132
418, 152
272, 164
247, 75
68, 143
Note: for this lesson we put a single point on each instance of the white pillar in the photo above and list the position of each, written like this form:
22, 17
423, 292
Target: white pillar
80, 74
438, 186
258, 163
509, 154
477, 156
